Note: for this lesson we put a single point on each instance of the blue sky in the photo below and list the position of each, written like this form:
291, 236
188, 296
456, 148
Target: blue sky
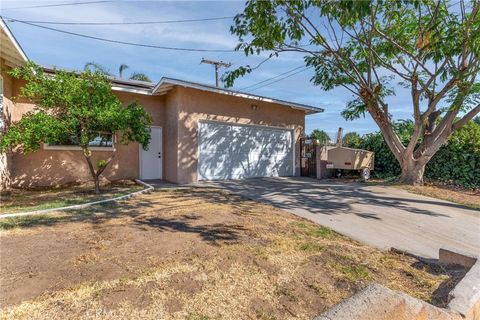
51, 48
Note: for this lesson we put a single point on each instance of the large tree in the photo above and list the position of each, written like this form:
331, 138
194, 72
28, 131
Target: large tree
429, 49
74, 108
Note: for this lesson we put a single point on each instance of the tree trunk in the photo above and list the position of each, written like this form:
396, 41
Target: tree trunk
412, 173
97, 184
87, 153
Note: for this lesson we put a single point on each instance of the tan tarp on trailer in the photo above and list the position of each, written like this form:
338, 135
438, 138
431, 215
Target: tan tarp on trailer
350, 159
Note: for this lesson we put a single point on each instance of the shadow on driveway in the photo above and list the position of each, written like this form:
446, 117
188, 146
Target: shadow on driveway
381, 216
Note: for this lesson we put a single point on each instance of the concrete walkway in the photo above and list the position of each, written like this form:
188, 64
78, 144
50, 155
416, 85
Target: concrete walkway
379, 216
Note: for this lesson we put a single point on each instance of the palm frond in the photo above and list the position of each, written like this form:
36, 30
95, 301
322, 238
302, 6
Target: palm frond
122, 68
140, 77
96, 67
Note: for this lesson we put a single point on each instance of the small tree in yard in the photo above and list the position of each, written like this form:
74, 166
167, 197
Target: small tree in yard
431, 48
74, 108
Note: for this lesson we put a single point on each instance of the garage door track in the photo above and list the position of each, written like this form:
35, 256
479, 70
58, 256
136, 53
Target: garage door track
380, 216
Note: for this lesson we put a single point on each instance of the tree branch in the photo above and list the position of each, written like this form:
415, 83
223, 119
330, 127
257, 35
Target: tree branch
467, 117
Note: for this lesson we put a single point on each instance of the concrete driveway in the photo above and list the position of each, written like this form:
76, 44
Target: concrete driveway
379, 216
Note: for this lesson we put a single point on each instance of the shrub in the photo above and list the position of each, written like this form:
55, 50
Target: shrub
458, 161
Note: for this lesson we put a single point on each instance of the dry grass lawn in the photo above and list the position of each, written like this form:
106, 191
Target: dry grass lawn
466, 197
192, 253
19, 200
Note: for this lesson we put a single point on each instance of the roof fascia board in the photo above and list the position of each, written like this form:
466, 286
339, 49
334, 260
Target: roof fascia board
136, 91
12, 38
187, 84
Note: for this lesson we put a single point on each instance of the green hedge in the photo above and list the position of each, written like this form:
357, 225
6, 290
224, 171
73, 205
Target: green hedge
457, 162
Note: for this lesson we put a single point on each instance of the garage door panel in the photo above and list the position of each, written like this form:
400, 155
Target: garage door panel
228, 151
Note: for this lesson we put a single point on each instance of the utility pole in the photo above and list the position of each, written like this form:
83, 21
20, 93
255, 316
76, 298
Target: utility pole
217, 65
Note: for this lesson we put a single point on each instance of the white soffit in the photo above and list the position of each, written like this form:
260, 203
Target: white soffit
10, 50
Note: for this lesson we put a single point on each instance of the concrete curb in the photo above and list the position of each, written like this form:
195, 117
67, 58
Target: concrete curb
148, 189
377, 302
465, 297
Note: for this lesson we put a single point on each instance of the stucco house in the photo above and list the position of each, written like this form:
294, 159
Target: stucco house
199, 132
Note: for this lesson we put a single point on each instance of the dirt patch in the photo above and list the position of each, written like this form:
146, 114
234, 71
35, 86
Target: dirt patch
20, 200
190, 254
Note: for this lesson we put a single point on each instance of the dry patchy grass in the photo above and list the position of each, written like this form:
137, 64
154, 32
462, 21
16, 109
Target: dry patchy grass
18, 200
192, 254
467, 197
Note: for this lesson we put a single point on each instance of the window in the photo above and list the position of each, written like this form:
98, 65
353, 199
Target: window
104, 141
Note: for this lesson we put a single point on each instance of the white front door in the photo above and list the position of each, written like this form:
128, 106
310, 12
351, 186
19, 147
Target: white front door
151, 159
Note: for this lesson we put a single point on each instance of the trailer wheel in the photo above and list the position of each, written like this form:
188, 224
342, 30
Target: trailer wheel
365, 174
338, 173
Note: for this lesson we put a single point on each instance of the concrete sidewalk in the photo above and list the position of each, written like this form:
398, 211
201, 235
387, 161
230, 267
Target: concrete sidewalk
379, 216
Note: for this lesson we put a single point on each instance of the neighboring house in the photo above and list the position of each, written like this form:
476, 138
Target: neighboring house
199, 132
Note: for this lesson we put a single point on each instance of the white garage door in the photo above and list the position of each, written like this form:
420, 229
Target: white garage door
231, 151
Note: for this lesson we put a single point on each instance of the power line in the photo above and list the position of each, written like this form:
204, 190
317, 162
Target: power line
290, 75
272, 78
57, 5
122, 42
122, 23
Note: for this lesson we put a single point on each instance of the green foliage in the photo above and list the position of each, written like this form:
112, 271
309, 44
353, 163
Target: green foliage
73, 106
101, 164
97, 67
430, 48
457, 162
385, 163
352, 140
342, 35
320, 135
140, 77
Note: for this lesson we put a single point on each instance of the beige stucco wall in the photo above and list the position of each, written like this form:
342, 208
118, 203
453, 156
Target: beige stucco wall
170, 136
177, 112
6, 157
198, 105
57, 167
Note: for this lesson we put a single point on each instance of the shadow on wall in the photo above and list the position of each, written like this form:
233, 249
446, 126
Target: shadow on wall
236, 152
224, 149
51, 168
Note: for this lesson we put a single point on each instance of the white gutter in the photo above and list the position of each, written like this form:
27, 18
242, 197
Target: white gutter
137, 91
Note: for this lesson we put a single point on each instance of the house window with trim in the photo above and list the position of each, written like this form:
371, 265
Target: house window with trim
104, 141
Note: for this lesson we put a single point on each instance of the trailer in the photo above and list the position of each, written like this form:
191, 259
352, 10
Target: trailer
342, 158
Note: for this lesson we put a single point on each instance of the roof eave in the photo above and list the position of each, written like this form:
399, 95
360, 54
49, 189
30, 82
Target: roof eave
175, 82
14, 41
